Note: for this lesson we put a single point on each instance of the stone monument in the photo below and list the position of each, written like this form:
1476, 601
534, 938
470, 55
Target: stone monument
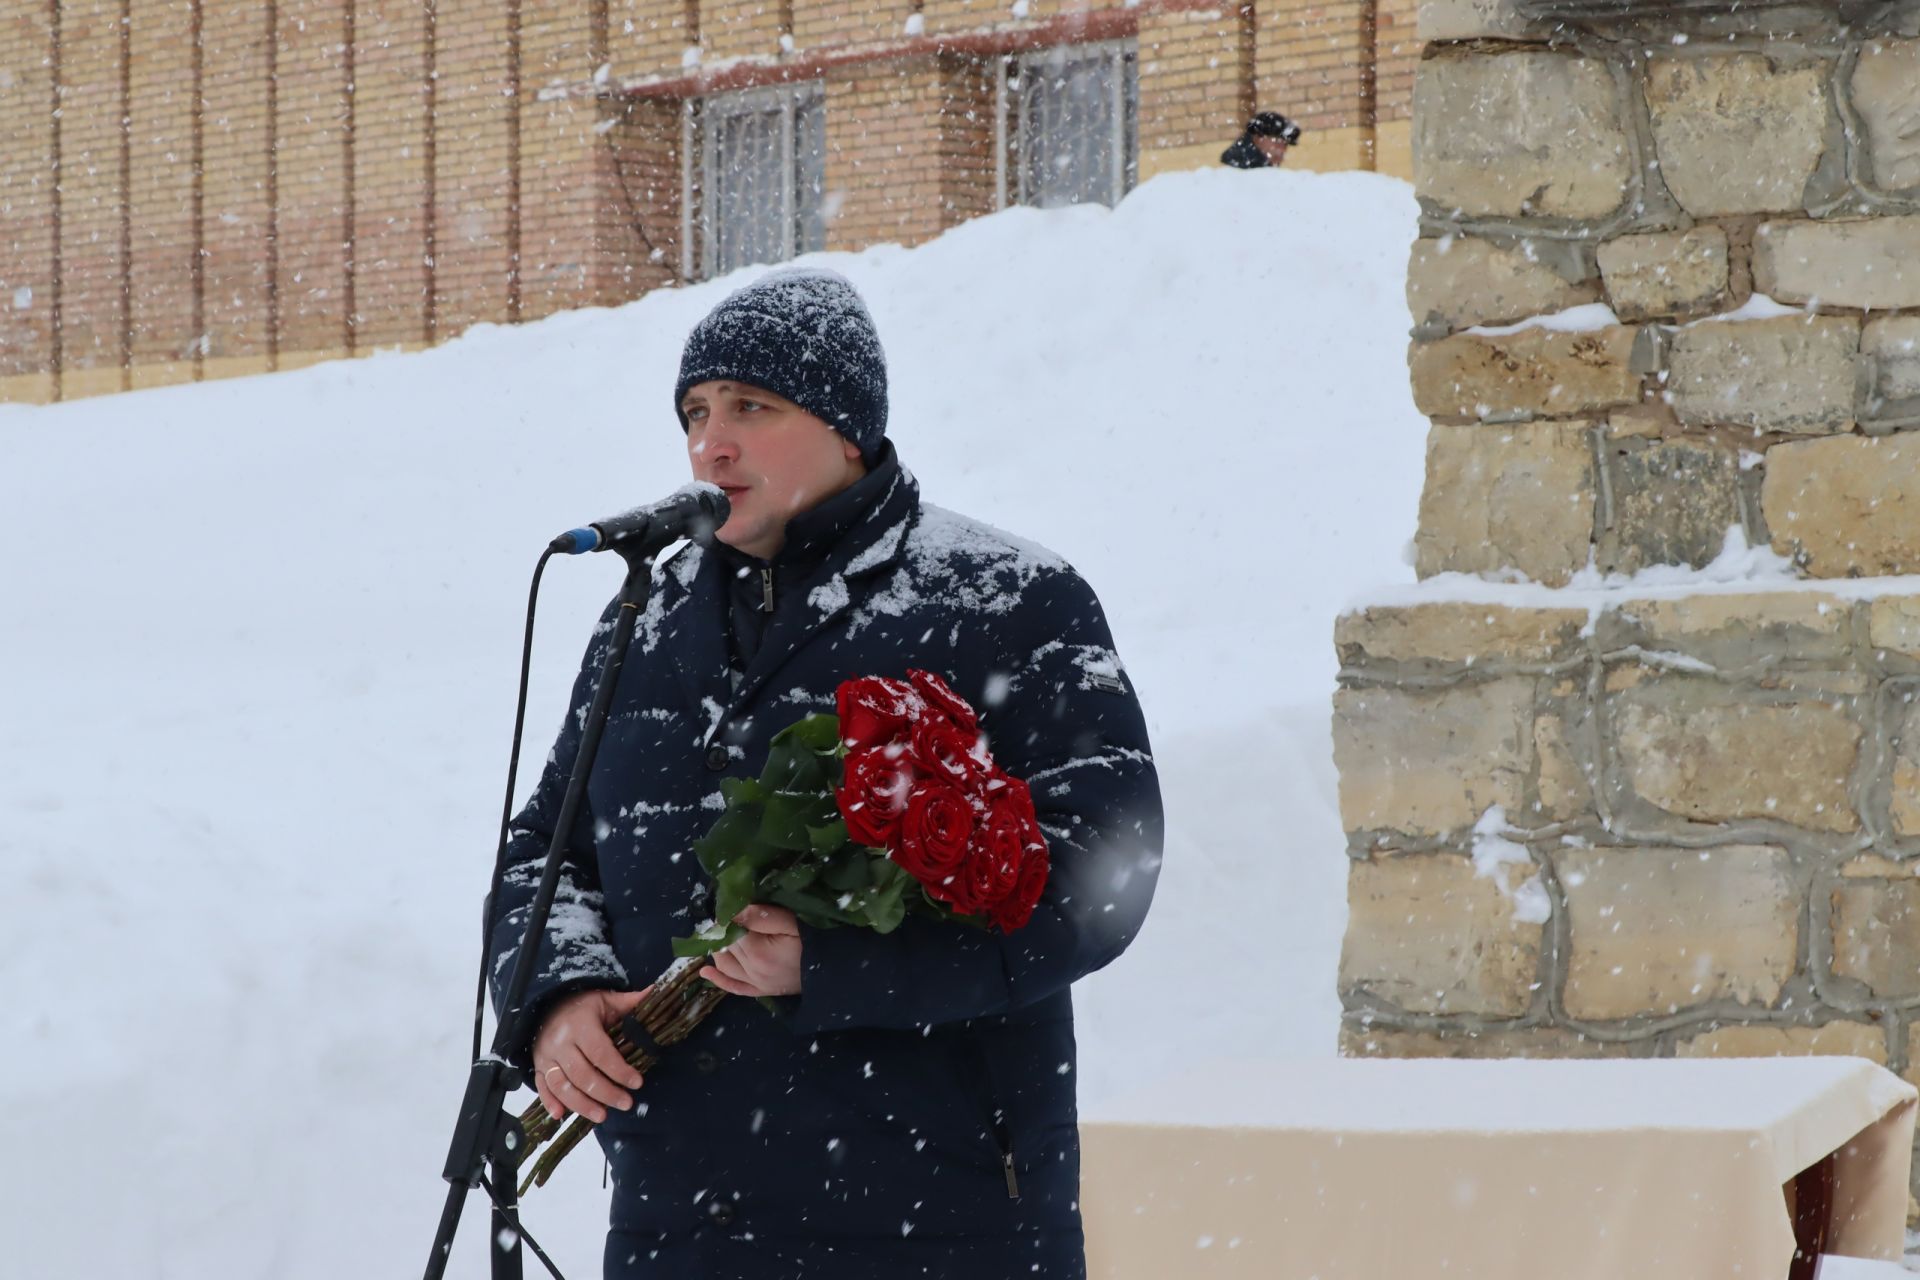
1635, 770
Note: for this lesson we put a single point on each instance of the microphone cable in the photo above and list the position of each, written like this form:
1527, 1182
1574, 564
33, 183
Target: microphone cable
506, 807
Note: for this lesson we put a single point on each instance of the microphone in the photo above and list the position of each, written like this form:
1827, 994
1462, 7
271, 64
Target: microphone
692, 510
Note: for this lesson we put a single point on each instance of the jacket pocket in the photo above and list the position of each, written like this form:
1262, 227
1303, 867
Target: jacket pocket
976, 1071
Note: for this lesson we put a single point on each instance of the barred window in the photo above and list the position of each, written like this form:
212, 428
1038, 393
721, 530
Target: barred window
763, 170
1073, 130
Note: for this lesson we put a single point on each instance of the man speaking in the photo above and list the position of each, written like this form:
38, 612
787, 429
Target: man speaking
897, 1105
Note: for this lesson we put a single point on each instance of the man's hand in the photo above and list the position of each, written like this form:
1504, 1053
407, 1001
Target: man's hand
764, 963
575, 1066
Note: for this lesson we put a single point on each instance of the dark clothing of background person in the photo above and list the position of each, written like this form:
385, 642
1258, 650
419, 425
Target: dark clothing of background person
1246, 151
1244, 154
912, 1112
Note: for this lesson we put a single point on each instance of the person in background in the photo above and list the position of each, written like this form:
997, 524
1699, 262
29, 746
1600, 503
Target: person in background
1263, 143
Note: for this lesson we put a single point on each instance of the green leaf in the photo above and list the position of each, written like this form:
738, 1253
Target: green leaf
782, 760
815, 909
848, 875
884, 869
800, 876
732, 890
829, 837
887, 907
709, 940
731, 839
784, 823
739, 791
794, 767
819, 734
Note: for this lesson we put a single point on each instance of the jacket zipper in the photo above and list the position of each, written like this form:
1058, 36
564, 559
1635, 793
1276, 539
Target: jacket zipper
766, 589
1004, 1141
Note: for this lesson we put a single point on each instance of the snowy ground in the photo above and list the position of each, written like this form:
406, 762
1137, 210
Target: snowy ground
259, 640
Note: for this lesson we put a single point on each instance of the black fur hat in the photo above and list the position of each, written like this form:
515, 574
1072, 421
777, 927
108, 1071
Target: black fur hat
1271, 124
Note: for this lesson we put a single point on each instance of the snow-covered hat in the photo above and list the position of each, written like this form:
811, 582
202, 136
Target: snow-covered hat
1271, 124
802, 333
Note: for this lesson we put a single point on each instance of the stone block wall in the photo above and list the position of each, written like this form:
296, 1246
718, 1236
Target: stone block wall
1728, 198
1665, 303
1639, 825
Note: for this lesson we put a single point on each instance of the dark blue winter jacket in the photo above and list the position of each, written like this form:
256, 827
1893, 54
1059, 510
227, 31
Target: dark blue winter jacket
911, 1112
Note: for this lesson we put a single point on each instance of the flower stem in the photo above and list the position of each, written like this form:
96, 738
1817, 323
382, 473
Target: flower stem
679, 1001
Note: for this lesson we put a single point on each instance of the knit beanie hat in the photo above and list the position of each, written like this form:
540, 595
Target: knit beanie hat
802, 333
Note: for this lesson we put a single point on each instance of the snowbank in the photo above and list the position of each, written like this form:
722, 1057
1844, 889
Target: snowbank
260, 639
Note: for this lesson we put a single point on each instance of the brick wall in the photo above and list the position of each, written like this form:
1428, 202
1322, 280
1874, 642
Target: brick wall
563, 44
829, 23
313, 178
236, 137
1308, 62
945, 17
1196, 77
645, 142
651, 37
92, 189
392, 175
29, 293
1398, 44
882, 162
475, 114
744, 28
964, 151
164, 238
311, 219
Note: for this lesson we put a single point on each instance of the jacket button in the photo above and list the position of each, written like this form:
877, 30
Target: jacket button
721, 1212
705, 1061
717, 757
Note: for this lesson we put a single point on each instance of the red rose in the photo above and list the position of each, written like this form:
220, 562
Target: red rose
873, 794
993, 864
1013, 805
943, 699
873, 710
942, 747
1016, 795
1017, 910
933, 837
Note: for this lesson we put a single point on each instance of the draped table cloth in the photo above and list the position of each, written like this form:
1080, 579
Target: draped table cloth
1342, 1169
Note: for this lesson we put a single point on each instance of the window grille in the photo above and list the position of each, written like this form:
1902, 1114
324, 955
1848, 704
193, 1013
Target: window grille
1073, 132
763, 172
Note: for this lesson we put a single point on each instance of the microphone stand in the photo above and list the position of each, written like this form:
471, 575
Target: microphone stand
486, 1133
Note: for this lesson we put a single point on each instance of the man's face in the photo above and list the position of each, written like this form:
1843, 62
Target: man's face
773, 459
1275, 149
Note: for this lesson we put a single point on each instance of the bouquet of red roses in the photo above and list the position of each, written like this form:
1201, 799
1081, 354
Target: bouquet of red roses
919, 784
892, 805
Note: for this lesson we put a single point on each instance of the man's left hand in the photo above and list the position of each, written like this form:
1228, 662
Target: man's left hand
764, 963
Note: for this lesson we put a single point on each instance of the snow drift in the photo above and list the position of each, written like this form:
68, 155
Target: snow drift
259, 639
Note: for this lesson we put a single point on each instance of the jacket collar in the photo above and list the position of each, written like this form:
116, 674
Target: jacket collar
689, 613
